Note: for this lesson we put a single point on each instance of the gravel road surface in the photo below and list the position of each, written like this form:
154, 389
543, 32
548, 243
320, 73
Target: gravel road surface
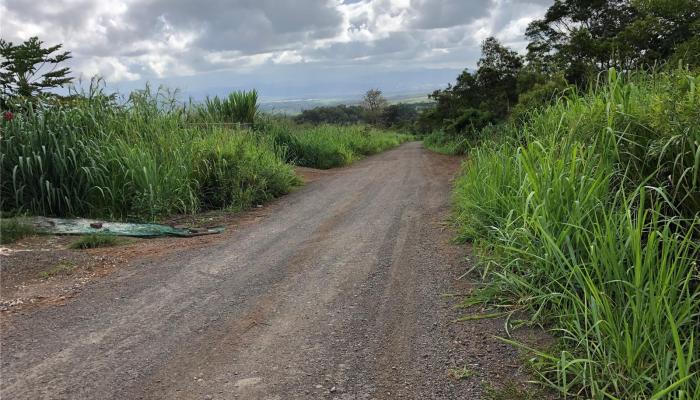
336, 293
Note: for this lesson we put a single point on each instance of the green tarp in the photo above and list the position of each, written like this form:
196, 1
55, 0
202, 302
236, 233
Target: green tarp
61, 226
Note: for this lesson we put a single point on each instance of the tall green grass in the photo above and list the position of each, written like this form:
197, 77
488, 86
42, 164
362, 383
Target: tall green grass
328, 146
132, 161
587, 217
237, 107
149, 156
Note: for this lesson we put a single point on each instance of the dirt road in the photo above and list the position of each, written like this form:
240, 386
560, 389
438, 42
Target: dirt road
335, 294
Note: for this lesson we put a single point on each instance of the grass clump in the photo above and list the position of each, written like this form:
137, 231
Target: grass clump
587, 216
13, 229
97, 240
237, 171
238, 107
460, 373
63, 268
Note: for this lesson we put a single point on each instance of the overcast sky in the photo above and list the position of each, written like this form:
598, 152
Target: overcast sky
286, 48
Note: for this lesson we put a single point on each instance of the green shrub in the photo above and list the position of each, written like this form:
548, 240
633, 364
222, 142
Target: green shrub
470, 122
240, 170
62, 268
537, 97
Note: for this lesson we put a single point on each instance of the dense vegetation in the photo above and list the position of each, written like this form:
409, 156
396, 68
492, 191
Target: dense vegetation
587, 216
339, 114
148, 156
581, 191
570, 47
94, 157
328, 145
374, 110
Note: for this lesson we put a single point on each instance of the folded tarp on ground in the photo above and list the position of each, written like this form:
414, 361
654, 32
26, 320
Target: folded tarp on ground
80, 226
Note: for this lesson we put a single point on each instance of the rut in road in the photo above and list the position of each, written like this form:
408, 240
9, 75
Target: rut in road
335, 294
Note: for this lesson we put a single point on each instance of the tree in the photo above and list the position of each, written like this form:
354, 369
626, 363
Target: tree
662, 29
401, 116
29, 69
480, 98
340, 114
374, 104
583, 37
497, 77
579, 36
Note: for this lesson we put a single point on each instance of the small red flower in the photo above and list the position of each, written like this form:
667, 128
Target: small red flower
8, 116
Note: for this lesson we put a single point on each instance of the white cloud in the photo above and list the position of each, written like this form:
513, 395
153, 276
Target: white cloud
127, 40
287, 57
110, 68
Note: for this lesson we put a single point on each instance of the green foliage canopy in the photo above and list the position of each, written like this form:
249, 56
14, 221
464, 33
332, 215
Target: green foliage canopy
479, 98
582, 37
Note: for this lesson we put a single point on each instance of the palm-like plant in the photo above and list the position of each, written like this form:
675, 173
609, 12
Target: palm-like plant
238, 107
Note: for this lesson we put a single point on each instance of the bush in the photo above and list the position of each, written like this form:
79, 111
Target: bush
239, 170
539, 96
470, 122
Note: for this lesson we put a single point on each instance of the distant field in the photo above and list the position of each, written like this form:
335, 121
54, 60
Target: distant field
296, 106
